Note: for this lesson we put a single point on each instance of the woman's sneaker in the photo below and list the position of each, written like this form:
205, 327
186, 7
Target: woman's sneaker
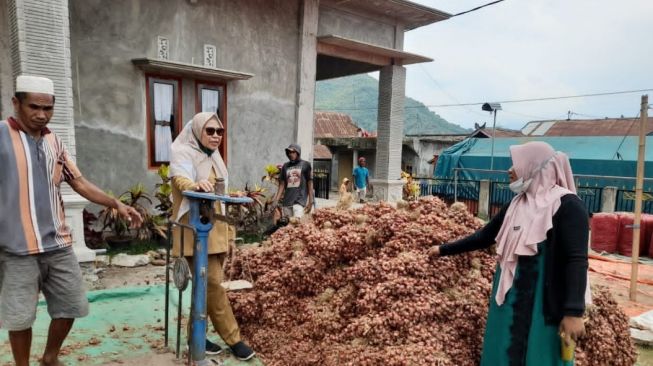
242, 351
212, 348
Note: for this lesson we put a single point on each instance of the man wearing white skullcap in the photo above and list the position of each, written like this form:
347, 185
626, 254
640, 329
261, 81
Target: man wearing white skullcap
34, 84
36, 244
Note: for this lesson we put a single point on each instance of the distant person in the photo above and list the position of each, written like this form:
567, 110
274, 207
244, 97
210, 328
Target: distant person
296, 184
345, 187
36, 253
361, 179
345, 198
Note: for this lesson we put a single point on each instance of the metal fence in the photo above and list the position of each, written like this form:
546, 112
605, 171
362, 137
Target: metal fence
321, 183
626, 201
467, 191
450, 190
500, 195
592, 197
436, 187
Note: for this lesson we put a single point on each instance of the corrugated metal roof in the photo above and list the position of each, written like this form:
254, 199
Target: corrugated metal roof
501, 132
332, 124
526, 130
587, 127
321, 152
543, 128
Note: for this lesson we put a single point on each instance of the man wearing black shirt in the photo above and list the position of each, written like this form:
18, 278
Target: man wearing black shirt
296, 184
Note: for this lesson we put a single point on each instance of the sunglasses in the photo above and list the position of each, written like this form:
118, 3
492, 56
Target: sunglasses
213, 131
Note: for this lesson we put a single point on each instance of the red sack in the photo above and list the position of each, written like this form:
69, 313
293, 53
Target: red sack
647, 224
605, 232
625, 243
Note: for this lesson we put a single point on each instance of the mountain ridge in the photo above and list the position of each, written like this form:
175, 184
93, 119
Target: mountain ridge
358, 95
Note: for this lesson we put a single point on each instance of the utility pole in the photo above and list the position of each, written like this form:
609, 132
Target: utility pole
494, 132
638, 198
492, 107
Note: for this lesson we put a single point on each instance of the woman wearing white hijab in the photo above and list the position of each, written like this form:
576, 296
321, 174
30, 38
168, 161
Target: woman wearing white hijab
540, 286
196, 165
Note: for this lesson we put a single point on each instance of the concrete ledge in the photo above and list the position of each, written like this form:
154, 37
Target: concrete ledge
189, 70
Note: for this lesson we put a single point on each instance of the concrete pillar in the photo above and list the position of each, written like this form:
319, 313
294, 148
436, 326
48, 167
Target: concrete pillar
484, 199
399, 37
354, 162
6, 82
40, 45
608, 199
390, 130
309, 15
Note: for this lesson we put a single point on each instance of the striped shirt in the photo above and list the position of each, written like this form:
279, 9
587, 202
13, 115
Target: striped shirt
31, 207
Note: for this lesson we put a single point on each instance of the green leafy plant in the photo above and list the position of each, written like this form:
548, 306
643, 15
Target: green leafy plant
112, 220
272, 173
163, 193
137, 198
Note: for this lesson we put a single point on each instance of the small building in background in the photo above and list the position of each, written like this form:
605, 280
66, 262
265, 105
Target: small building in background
587, 127
338, 134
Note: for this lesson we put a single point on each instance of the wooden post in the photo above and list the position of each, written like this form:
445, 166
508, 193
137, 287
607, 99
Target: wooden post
638, 198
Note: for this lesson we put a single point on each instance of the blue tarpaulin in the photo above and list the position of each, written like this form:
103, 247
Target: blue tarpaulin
596, 155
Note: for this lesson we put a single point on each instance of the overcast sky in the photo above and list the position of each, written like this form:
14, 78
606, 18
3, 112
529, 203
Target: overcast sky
536, 48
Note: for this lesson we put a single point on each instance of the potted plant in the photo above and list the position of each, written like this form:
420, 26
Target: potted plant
92, 237
164, 192
121, 235
410, 188
118, 227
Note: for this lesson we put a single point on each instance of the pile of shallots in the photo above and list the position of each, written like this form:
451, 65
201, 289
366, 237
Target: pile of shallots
358, 287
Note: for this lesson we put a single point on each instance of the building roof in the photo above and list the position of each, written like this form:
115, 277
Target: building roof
437, 138
483, 132
334, 45
332, 124
321, 152
408, 13
587, 127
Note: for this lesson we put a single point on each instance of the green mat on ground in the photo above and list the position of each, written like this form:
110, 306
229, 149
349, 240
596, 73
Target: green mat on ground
123, 323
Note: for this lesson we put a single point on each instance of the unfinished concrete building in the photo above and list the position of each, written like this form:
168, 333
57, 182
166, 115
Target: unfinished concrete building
129, 73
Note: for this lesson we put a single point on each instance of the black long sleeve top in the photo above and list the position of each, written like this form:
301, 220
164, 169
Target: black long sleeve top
566, 258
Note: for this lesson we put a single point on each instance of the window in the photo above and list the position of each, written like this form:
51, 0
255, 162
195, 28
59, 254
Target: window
163, 115
211, 97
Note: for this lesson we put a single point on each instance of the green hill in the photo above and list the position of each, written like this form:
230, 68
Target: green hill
358, 96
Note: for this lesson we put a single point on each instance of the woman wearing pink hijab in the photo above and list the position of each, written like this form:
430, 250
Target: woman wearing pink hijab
540, 286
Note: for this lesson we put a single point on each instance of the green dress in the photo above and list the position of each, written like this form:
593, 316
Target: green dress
516, 333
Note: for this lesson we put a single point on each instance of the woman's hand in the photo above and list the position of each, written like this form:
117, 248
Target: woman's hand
434, 251
571, 327
204, 186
